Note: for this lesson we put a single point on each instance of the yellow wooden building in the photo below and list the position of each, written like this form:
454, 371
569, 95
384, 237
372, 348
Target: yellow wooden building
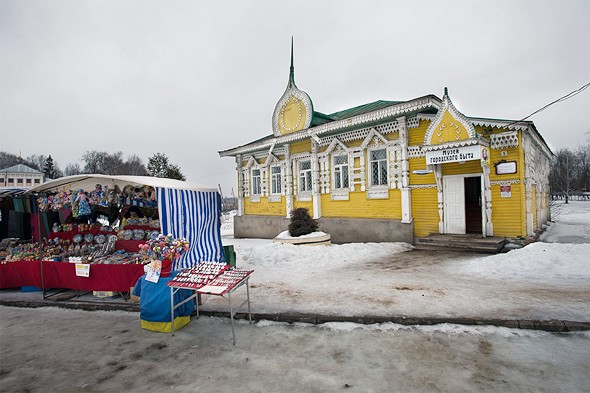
392, 171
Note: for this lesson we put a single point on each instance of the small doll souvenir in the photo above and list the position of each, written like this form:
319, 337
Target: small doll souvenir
43, 203
104, 200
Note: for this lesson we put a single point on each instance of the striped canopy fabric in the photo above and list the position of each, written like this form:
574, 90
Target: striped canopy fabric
196, 217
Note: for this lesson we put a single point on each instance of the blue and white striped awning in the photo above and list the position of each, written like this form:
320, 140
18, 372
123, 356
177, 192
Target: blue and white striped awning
196, 217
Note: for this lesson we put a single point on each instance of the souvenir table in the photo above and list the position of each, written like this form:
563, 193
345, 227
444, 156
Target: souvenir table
103, 277
211, 279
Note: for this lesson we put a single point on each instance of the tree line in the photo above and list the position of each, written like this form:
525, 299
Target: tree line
570, 173
98, 162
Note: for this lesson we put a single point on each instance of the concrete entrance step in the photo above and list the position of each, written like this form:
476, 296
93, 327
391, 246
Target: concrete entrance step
468, 242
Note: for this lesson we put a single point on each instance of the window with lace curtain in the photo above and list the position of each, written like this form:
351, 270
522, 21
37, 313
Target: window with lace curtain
305, 176
340, 171
378, 167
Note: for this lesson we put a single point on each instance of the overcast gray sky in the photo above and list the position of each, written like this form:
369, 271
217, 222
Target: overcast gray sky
190, 78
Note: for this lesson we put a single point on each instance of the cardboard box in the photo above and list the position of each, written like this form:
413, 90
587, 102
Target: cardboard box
103, 294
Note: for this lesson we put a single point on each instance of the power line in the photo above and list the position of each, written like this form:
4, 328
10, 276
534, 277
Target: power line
565, 97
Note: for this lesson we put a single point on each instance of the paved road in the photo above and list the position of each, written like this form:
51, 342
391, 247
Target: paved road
56, 350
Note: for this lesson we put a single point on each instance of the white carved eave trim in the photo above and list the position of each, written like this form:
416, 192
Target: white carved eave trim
426, 116
420, 186
506, 124
396, 110
448, 145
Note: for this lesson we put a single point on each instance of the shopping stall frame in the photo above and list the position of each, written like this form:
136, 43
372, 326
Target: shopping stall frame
186, 210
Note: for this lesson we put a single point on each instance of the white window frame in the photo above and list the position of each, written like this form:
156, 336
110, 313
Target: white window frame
337, 172
370, 166
256, 181
276, 186
304, 176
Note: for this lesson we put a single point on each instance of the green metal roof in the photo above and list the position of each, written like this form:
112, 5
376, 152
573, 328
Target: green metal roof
358, 110
319, 119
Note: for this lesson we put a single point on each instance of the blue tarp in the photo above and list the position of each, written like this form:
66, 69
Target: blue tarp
154, 303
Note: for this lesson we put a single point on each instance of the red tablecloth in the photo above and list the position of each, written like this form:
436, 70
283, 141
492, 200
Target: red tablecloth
116, 278
129, 245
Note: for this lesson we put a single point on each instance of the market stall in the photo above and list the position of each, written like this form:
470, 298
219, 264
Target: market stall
70, 232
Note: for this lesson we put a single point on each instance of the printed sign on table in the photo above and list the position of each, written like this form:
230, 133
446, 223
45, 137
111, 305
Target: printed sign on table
83, 269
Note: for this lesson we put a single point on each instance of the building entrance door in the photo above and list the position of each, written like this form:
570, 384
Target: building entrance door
454, 196
473, 216
462, 204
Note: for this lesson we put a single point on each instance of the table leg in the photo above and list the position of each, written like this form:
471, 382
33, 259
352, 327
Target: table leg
172, 310
248, 294
231, 315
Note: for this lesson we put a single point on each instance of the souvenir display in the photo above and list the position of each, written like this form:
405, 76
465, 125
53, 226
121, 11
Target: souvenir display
138, 234
92, 240
164, 247
127, 234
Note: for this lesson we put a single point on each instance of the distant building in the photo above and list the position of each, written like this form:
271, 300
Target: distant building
20, 176
392, 171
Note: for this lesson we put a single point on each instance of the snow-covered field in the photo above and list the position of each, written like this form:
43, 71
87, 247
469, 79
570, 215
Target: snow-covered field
40, 348
545, 280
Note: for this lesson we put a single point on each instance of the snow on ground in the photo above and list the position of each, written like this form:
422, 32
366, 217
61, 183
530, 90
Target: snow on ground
573, 221
41, 353
540, 281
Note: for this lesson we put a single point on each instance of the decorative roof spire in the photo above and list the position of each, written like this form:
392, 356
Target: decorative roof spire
292, 69
446, 91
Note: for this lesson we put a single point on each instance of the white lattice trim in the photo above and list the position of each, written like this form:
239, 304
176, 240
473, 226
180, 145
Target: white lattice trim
504, 182
418, 186
355, 135
415, 152
413, 122
448, 145
504, 140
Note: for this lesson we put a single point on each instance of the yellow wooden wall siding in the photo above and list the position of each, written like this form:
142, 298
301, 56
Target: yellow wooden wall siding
308, 205
455, 168
416, 135
300, 147
508, 213
425, 211
265, 208
419, 163
358, 206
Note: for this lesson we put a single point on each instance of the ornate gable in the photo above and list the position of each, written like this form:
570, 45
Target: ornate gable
449, 126
294, 111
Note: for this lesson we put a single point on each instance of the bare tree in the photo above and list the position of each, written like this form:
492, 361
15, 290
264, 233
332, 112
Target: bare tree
72, 169
134, 166
561, 175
